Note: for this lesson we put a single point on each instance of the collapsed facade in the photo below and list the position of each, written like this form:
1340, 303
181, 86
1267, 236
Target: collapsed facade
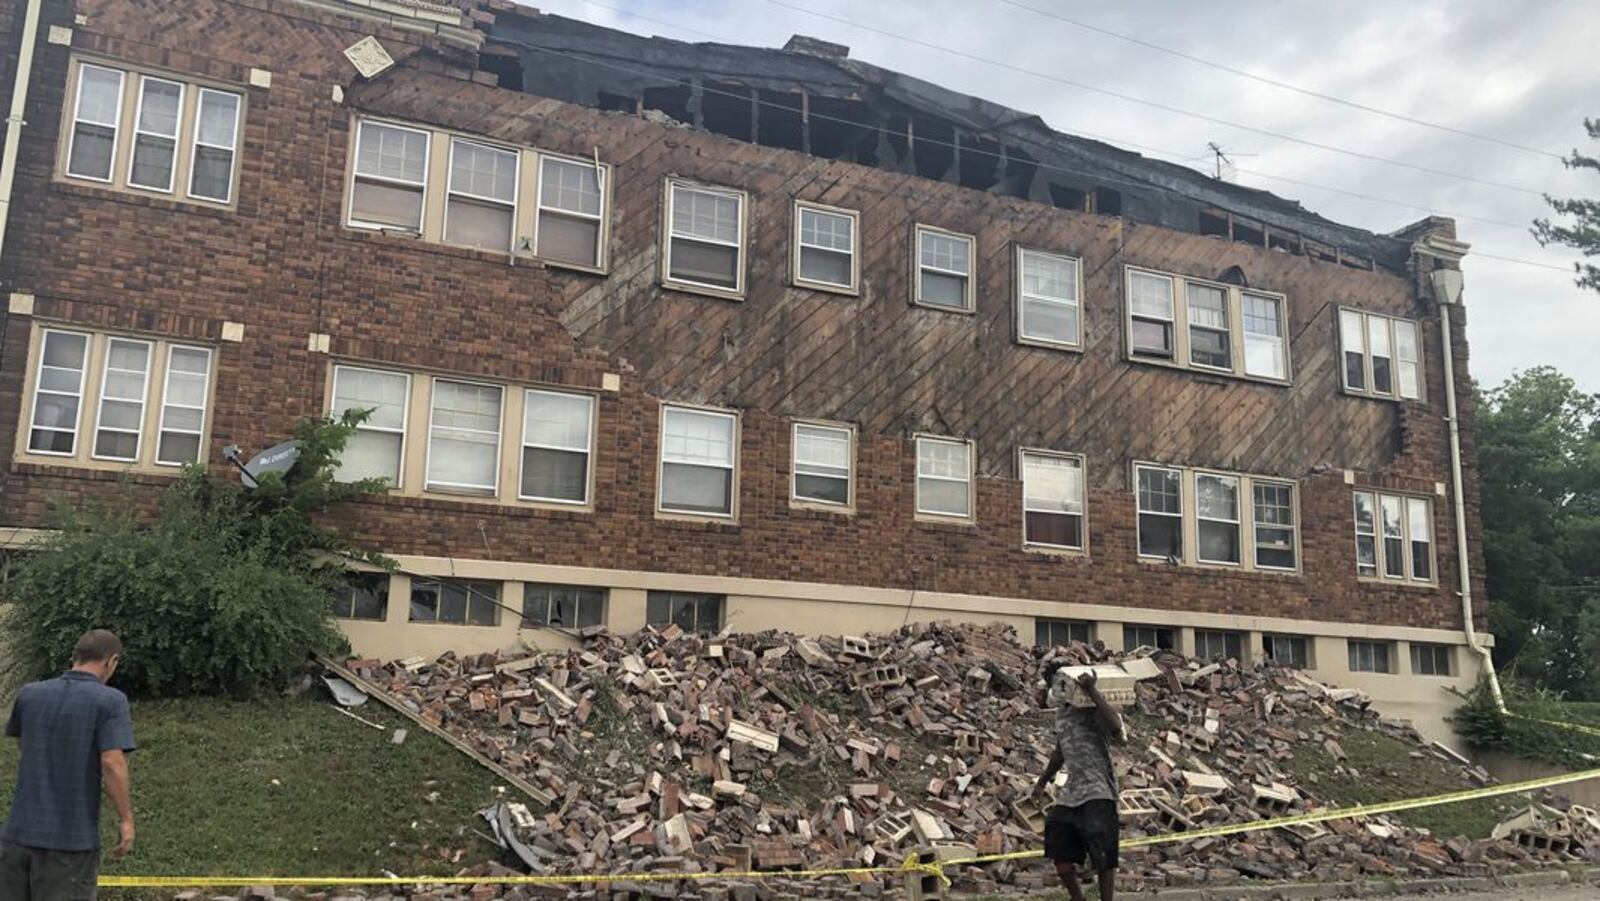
726, 336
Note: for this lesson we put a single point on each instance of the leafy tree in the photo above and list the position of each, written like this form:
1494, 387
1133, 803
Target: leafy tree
1538, 441
225, 591
1584, 233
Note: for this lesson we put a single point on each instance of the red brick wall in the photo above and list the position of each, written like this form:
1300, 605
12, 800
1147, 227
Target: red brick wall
282, 265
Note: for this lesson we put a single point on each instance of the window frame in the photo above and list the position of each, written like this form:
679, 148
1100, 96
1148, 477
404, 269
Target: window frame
1228, 311
603, 219
1435, 650
795, 500
1181, 323
428, 484
1241, 505
741, 246
1293, 527
1050, 624
350, 220
588, 451
195, 144
853, 289
451, 192
666, 512
1182, 514
497, 603
1281, 303
1307, 645
1392, 323
405, 413
206, 412
26, 444
144, 398
76, 117
1132, 630
1189, 515
1082, 548
1240, 641
348, 595
135, 131
601, 594
1407, 575
969, 294
1353, 652
970, 516
1018, 297
700, 600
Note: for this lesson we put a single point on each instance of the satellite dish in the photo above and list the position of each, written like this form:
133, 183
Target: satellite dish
277, 458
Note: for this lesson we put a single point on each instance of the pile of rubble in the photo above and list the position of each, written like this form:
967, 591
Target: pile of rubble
664, 752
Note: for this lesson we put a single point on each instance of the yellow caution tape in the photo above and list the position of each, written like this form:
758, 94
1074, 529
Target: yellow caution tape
1574, 727
911, 865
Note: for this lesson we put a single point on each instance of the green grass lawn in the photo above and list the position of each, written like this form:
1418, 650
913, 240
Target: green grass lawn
291, 787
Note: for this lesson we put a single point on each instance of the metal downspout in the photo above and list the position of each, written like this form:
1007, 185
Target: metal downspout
14, 121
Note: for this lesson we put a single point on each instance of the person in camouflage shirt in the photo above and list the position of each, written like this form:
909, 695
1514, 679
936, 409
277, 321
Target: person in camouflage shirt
1081, 824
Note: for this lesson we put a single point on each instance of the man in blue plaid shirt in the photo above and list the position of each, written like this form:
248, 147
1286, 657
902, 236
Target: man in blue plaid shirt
75, 733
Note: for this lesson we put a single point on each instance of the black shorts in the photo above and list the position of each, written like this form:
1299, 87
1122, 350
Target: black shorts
1089, 831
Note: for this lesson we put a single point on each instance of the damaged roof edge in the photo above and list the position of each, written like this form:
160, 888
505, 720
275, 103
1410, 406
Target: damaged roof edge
812, 98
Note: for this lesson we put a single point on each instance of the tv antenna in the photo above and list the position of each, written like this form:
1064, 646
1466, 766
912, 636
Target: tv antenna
1223, 159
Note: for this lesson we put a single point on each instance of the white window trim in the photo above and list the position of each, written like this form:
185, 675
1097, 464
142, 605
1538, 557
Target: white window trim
115, 125
405, 415
38, 380
1019, 295
356, 175
1228, 312
144, 400
588, 449
854, 287
849, 433
972, 466
1181, 516
969, 293
1407, 576
1281, 303
451, 192
1083, 526
196, 144
428, 484
176, 138
661, 464
1366, 356
669, 233
1241, 505
205, 411
1190, 516
1182, 351
1293, 527
603, 174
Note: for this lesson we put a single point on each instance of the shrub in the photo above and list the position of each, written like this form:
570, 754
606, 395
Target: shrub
225, 591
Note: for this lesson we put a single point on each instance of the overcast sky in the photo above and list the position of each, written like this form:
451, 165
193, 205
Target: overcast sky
1519, 71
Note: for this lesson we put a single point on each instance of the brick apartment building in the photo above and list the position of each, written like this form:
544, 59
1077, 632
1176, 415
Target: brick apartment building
722, 335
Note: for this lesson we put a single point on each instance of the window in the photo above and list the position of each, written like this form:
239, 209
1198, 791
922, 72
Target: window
1053, 633
155, 134
1266, 353
944, 269
58, 393
1430, 659
944, 477
1208, 327
822, 462
1217, 511
391, 177
1210, 645
1287, 650
376, 449
1052, 500
1047, 299
1134, 637
183, 410
1369, 657
1276, 547
458, 601
556, 434
1217, 327
216, 134
96, 116
464, 437
1160, 512
481, 209
689, 612
563, 606
362, 596
697, 461
571, 212
1405, 525
825, 242
1381, 355
705, 237
1151, 311
124, 383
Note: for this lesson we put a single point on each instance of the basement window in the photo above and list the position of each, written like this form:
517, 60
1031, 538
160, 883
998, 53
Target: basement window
467, 602
1394, 537
1160, 638
705, 239
391, 177
1210, 645
1381, 356
694, 613
562, 606
944, 269
361, 596
571, 214
1287, 650
1430, 659
1052, 500
825, 247
482, 205
1371, 656
1056, 633
1047, 299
